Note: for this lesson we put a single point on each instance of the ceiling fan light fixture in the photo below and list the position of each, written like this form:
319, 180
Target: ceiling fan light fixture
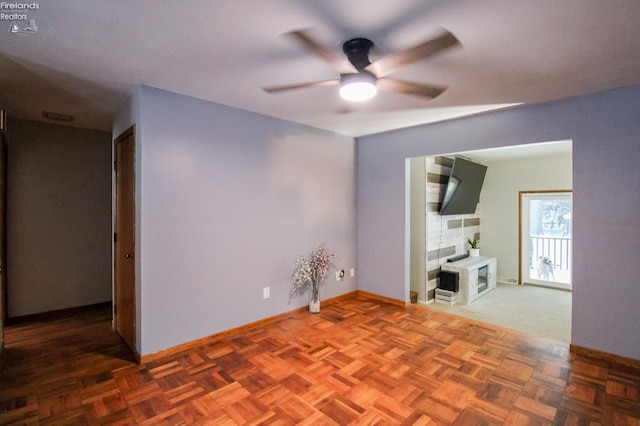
358, 87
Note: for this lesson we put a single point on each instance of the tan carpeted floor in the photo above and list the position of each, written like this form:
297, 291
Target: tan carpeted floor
534, 310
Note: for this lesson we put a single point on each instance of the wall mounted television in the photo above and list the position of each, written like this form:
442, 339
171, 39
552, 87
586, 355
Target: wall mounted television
464, 186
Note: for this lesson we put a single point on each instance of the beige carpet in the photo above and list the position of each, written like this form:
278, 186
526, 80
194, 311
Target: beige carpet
534, 310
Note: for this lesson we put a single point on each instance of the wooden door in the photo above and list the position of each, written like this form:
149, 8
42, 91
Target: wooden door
124, 238
3, 228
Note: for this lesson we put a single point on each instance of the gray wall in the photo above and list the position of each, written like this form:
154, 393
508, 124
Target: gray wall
59, 221
605, 129
227, 200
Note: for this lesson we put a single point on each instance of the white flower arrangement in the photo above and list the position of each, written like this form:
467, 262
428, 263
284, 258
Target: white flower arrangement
301, 275
312, 270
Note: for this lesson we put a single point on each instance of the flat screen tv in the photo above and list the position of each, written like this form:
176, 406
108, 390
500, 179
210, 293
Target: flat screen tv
464, 186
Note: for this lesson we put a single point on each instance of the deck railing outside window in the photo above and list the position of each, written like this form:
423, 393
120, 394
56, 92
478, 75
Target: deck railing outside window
557, 249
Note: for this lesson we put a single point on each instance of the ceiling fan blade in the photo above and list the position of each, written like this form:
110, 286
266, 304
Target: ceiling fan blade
409, 88
391, 62
337, 61
276, 89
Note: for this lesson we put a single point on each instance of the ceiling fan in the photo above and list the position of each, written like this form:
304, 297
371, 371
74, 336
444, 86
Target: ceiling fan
359, 77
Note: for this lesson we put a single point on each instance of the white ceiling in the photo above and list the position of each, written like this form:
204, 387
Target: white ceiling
88, 54
514, 152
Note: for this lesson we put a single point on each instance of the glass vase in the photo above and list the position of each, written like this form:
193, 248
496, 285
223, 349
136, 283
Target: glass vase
314, 297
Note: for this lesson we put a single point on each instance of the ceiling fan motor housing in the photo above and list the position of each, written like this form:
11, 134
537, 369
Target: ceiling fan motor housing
357, 51
361, 79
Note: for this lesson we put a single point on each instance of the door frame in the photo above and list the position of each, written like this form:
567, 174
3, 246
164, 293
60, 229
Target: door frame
521, 195
130, 132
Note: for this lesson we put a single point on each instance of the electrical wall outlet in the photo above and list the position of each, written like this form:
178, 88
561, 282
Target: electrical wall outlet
266, 292
337, 275
352, 272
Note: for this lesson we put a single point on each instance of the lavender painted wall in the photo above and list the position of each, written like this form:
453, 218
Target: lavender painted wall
605, 129
228, 199
129, 113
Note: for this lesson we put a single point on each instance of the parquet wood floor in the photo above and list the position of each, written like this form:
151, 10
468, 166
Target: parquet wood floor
360, 361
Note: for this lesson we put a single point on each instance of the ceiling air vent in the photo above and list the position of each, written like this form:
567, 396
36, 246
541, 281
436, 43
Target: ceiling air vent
56, 116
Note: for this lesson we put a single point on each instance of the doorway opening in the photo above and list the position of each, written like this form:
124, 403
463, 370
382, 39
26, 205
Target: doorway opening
511, 169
